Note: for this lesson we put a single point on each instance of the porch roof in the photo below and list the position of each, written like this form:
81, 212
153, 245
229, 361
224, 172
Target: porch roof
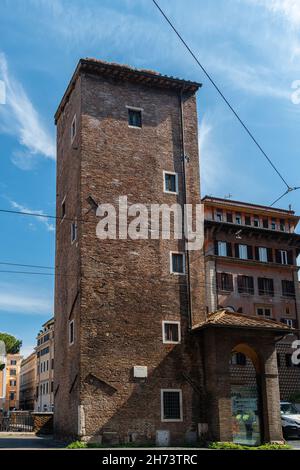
226, 318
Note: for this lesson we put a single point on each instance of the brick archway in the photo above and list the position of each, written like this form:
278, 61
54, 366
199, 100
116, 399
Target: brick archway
221, 334
251, 353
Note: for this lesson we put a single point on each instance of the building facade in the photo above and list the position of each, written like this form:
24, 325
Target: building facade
12, 376
137, 357
28, 382
44, 398
250, 262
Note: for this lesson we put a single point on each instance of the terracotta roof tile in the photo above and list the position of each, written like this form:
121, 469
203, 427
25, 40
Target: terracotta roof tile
238, 320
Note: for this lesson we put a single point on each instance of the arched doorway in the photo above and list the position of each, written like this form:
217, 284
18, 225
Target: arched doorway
245, 387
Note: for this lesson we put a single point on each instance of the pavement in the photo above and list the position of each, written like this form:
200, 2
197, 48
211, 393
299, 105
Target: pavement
20, 441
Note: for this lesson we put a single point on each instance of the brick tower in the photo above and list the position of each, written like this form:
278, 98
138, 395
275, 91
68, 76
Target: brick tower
126, 365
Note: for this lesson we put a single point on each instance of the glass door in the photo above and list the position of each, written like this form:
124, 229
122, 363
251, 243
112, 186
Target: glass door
245, 415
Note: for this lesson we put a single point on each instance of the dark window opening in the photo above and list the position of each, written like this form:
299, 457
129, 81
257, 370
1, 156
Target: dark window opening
247, 220
134, 118
229, 217
171, 332
171, 405
177, 263
265, 286
288, 288
238, 359
265, 223
245, 285
170, 183
225, 281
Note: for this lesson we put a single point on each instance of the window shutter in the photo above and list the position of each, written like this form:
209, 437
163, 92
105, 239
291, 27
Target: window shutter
260, 282
240, 283
257, 253
270, 255
249, 252
236, 250
290, 257
219, 281
230, 282
229, 249
271, 286
216, 248
277, 256
251, 282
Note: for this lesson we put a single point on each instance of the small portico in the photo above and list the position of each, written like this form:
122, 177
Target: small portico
222, 334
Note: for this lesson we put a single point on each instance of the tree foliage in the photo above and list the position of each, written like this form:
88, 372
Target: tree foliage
12, 344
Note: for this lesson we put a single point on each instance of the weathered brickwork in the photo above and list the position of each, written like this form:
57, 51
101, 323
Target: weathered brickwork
118, 292
125, 287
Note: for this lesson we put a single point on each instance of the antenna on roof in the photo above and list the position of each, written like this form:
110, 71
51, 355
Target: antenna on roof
290, 207
228, 196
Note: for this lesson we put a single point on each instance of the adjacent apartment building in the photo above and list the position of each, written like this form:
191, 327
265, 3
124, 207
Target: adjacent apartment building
44, 399
139, 354
12, 377
251, 268
28, 376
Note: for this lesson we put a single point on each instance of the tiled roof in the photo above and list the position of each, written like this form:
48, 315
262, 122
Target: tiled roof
226, 318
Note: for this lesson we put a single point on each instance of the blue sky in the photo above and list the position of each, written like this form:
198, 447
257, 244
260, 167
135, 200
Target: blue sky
251, 48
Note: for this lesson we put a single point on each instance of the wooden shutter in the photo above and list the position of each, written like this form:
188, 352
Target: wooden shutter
249, 252
236, 250
260, 282
219, 281
270, 255
290, 257
240, 283
230, 282
257, 253
229, 249
216, 248
270, 287
277, 256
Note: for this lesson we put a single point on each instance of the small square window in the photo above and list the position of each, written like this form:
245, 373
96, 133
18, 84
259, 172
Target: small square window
177, 263
73, 232
73, 129
134, 117
71, 332
170, 182
171, 405
171, 332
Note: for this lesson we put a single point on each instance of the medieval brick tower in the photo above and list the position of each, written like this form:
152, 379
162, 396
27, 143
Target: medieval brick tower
126, 365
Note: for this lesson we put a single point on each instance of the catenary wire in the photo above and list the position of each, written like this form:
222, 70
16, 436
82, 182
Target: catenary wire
227, 102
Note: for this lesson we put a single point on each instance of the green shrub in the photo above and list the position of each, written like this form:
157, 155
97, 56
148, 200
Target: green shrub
233, 446
77, 445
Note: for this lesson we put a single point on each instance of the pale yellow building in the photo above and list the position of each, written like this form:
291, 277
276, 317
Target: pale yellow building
28, 376
44, 400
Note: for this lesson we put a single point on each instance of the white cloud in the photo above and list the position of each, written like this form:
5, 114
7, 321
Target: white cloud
19, 118
44, 220
289, 9
28, 301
